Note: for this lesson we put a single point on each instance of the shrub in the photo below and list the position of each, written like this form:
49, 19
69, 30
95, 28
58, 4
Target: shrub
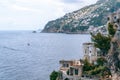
111, 30
54, 75
87, 66
101, 61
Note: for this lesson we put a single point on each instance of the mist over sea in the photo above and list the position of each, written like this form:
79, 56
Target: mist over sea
33, 56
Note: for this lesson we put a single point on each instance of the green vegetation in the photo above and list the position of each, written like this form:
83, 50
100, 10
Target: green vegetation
102, 42
54, 75
82, 28
96, 70
66, 28
87, 66
101, 61
68, 72
97, 20
100, 71
111, 30
96, 17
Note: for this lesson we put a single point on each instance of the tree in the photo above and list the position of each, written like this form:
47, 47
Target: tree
87, 66
101, 61
102, 42
54, 75
111, 30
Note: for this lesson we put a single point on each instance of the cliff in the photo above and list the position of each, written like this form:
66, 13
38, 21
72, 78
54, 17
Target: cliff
79, 21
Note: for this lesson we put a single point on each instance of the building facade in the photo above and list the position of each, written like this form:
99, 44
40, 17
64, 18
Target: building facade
70, 70
90, 52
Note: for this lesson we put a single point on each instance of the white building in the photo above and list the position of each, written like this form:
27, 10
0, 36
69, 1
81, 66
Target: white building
90, 52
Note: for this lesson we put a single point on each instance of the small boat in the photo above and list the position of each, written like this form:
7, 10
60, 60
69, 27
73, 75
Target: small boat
28, 44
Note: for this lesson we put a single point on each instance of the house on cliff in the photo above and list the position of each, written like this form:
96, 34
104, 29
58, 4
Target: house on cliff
70, 70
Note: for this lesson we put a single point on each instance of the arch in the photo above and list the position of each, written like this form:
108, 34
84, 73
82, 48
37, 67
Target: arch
108, 18
66, 79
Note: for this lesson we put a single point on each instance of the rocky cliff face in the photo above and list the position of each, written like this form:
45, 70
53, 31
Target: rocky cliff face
113, 57
114, 61
80, 20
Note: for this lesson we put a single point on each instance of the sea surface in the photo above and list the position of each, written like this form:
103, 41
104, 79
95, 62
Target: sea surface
33, 56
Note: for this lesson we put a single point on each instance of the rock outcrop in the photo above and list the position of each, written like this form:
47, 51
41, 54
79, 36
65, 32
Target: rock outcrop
113, 57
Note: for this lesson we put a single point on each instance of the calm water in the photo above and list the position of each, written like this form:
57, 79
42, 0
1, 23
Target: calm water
18, 61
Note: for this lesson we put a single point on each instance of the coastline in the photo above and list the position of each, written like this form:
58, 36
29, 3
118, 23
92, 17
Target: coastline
67, 32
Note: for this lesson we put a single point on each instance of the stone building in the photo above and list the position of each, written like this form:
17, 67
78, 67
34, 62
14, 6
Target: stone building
70, 70
90, 52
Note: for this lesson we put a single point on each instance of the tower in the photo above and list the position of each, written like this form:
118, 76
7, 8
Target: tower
90, 52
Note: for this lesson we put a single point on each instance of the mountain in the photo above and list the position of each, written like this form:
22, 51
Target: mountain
79, 21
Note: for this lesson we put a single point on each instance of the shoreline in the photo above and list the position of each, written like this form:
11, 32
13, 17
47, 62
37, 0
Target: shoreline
68, 32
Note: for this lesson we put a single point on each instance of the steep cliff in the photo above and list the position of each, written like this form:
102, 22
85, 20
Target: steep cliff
80, 20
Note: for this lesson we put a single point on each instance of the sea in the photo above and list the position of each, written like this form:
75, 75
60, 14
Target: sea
33, 56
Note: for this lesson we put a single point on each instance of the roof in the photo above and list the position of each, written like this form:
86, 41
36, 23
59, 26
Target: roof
88, 43
62, 61
72, 62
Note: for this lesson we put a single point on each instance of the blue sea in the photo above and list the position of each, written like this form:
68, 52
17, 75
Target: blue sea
33, 56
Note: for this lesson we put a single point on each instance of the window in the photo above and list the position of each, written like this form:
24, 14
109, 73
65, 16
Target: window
90, 51
71, 71
67, 65
63, 65
115, 17
85, 51
108, 18
118, 20
76, 71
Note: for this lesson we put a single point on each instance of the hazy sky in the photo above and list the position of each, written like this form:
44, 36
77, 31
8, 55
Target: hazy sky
34, 14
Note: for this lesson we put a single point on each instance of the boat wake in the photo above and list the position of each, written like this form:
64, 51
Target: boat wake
11, 48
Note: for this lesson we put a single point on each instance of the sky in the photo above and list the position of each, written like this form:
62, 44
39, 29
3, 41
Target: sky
34, 14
